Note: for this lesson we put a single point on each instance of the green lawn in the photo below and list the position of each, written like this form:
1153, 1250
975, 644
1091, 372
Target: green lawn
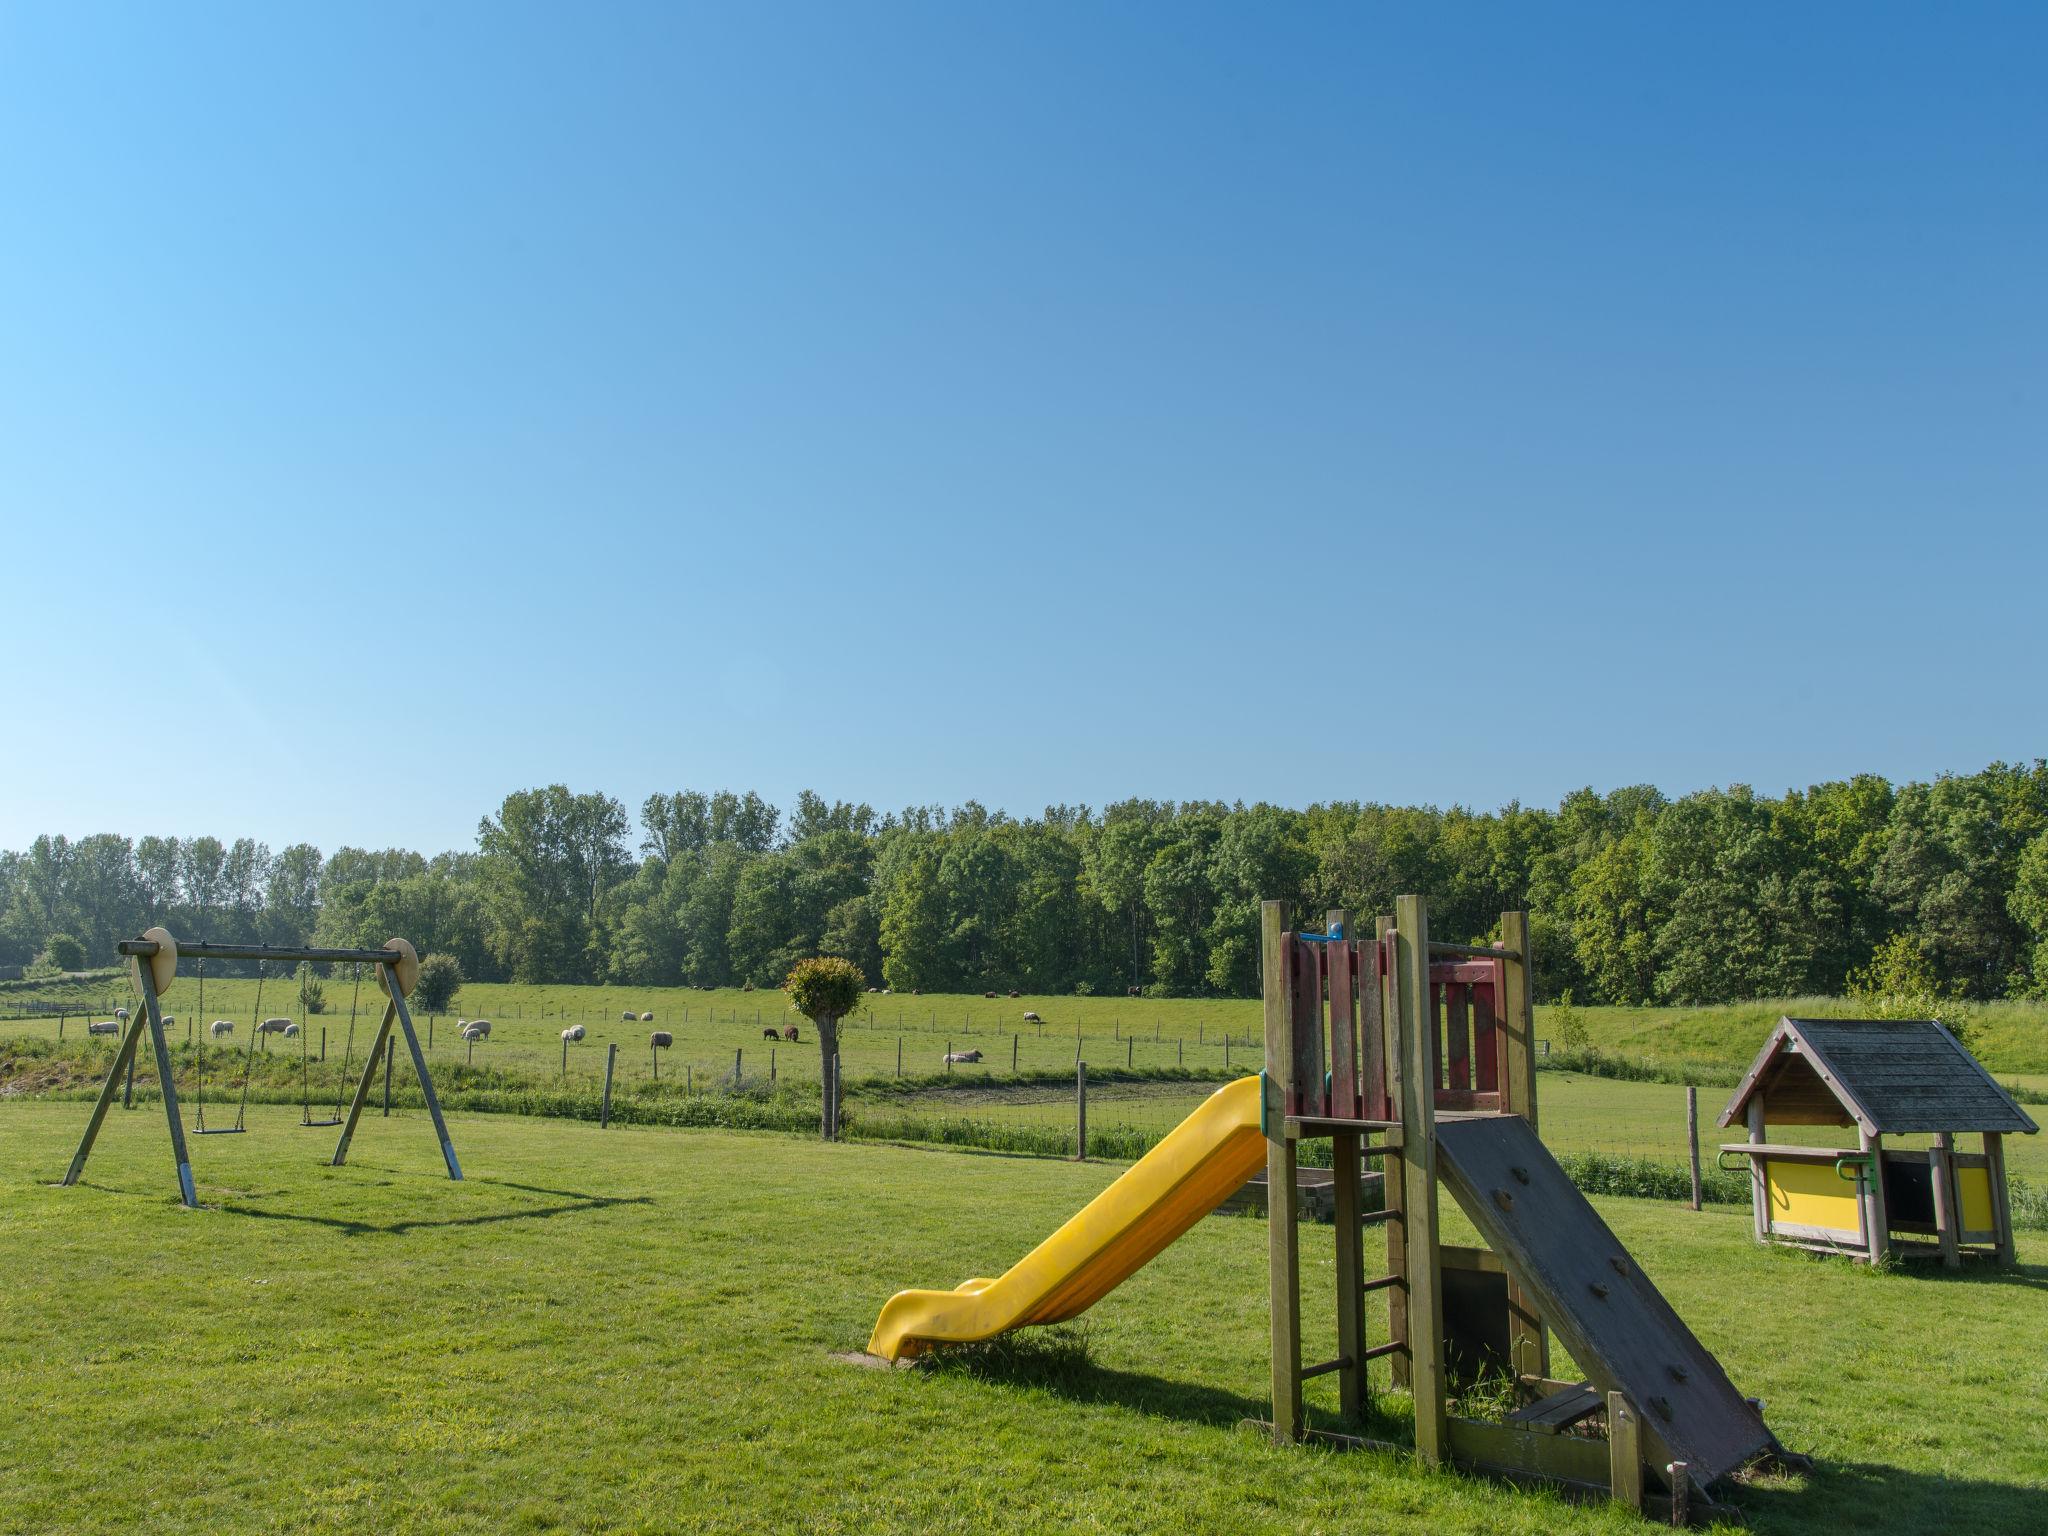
635, 1330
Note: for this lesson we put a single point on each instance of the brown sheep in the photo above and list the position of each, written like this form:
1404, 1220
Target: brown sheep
770, 1034
790, 1033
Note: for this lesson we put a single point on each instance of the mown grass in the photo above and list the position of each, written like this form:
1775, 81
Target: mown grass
637, 1330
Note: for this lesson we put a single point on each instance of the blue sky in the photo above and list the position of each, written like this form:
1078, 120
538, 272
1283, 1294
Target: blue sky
400, 406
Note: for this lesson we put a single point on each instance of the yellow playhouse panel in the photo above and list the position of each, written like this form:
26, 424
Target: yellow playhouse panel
1812, 1195
1974, 1184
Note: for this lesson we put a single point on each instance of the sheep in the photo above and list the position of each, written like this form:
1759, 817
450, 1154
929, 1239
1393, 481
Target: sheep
647, 1018
790, 1033
988, 994
573, 1032
953, 1056
629, 1017
770, 1034
1132, 992
661, 1039
221, 1027
1015, 993
170, 1019
475, 1032
121, 1014
104, 1027
274, 1027
1032, 1018
291, 1031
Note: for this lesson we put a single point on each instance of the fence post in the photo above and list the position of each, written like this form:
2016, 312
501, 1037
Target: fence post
1080, 1111
949, 1058
737, 1051
1692, 1138
771, 1066
1013, 1055
604, 1113
430, 1031
1180, 1052
899, 1055
323, 1042
1130, 1052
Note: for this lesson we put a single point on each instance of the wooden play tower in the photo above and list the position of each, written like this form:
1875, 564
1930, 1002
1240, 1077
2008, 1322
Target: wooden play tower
1424, 1054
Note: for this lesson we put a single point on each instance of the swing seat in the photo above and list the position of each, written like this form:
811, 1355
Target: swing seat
222, 1130
312, 1125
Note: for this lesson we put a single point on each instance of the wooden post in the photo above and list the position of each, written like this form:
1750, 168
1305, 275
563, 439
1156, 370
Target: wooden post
1877, 1236
390, 1050
947, 1063
2001, 1197
1529, 1340
362, 1093
1418, 1173
1130, 1051
1393, 1194
899, 1055
1283, 1247
1692, 1139
1013, 1054
419, 1067
604, 1112
1947, 1217
128, 1089
149, 1017
1080, 1111
1681, 1494
1759, 1187
1624, 1452
1347, 1167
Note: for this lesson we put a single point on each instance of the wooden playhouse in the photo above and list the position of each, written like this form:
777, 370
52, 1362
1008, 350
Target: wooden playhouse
1884, 1077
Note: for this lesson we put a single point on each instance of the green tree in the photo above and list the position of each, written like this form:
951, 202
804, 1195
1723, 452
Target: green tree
62, 952
547, 863
825, 990
439, 980
914, 923
2029, 905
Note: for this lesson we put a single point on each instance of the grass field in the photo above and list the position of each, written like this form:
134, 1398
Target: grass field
635, 1330
709, 1026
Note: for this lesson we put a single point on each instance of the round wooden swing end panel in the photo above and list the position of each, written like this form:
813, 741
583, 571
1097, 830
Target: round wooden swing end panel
163, 965
407, 965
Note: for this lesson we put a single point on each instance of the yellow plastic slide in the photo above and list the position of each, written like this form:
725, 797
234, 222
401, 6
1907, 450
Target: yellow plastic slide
1196, 1168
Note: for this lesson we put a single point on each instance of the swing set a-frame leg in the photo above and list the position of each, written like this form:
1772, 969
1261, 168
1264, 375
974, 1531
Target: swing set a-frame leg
395, 1011
148, 1016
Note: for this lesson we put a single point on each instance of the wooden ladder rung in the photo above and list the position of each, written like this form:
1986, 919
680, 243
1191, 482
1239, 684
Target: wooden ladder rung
1325, 1368
1381, 1282
1391, 1347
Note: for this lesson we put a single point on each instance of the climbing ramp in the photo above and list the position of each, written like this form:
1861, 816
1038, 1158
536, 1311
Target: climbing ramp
1617, 1325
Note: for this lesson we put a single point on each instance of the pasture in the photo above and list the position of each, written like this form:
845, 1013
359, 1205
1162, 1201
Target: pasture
636, 1330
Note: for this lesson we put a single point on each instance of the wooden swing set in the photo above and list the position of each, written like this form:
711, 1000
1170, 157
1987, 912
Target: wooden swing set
153, 966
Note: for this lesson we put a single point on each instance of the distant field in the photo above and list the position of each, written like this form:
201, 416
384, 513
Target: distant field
2012, 1038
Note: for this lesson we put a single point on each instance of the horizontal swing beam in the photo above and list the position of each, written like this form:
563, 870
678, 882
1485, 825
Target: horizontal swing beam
1473, 952
204, 951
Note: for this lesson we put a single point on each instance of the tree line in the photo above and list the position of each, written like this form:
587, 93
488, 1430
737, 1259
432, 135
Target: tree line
1634, 897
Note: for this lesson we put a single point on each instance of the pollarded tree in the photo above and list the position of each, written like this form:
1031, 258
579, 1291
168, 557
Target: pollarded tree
824, 991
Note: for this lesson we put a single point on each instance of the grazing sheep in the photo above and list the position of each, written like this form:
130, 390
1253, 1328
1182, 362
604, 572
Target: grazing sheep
953, 1056
291, 1031
1032, 1018
629, 1017
481, 1027
104, 1027
661, 1039
274, 1027
121, 1014
1015, 993
221, 1027
790, 1033
573, 1032
170, 1019
647, 1018
988, 994
770, 1034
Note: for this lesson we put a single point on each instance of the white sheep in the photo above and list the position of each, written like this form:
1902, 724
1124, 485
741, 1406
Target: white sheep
274, 1027
103, 1027
647, 1018
1032, 1018
953, 1056
221, 1027
629, 1017
573, 1032
121, 1014
661, 1039
476, 1029
291, 1031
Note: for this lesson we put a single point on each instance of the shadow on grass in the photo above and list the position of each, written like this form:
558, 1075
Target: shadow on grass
1861, 1496
570, 1203
1058, 1361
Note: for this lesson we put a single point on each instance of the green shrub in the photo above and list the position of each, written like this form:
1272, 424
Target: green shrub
440, 979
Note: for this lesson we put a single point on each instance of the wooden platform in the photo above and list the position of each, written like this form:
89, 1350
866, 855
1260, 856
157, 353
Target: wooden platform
1617, 1325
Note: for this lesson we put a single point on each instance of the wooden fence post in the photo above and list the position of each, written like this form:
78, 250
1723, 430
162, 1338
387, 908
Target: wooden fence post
1692, 1138
604, 1113
1080, 1111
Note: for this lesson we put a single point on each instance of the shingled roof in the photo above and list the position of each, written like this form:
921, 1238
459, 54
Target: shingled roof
1889, 1076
